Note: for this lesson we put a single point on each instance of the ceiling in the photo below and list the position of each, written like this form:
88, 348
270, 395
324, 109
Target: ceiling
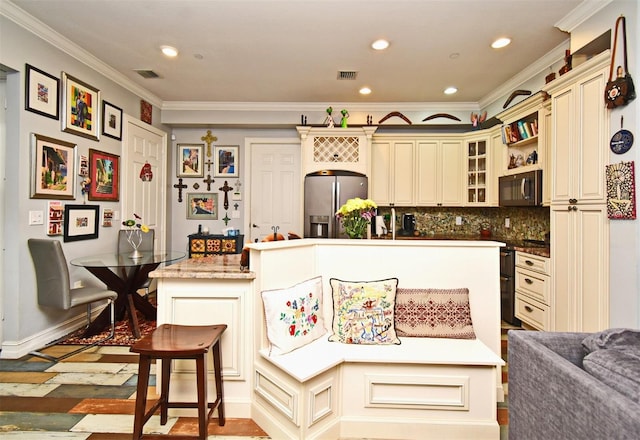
292, 50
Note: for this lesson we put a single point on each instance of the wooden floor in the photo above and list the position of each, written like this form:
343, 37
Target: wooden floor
91, 396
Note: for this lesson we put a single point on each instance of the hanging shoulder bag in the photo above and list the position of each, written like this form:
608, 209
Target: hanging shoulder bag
619, 91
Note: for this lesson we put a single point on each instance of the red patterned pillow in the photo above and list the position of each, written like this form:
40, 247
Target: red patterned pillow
434, 313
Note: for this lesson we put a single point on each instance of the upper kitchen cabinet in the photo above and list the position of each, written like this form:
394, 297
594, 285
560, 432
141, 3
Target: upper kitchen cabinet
392, 172
477, 170
439, 174
496, 148
521, 130
417, 170
336, 148
579, 139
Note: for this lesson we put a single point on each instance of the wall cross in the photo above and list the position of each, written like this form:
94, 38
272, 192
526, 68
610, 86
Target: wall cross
209, 139
180, 187
226, 188
208, 181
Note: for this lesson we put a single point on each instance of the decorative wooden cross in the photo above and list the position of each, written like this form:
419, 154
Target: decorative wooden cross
208, 181
208, 163
226, 188
226, 219
180, 187
208, 139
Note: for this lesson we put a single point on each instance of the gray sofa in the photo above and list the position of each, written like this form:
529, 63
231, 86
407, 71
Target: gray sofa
551, 396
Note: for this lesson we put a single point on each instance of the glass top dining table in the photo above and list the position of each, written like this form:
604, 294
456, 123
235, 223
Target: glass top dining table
125, 275
125, 260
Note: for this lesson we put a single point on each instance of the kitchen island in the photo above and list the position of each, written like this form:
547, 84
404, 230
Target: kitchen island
211, 290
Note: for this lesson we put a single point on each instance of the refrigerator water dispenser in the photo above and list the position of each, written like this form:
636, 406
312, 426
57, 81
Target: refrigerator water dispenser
319, 226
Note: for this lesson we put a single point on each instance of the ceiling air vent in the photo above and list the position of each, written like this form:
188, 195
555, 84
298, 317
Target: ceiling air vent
347, 74
147, 74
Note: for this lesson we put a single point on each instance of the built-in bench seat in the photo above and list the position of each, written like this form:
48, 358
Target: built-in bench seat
423, 388
321, 355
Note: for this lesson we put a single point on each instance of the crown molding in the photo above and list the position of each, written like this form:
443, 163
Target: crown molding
534, 69
38, 28
580, 14
315, 106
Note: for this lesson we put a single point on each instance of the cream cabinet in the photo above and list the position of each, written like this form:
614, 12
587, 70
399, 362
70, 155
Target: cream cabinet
439, 174
478, 170
580, 132
533, 290
579, 223
392, 172
335, 148
580, 267
417, 171
545, 136
496, 148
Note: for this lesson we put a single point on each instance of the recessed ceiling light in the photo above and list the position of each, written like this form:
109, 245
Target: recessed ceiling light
501, 42
365, 91
380, 44
450, 90
169, 51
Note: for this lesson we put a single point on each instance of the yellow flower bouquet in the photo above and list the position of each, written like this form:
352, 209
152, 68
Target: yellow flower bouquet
355, 215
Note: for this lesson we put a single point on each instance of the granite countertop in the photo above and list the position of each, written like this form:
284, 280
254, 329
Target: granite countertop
224, 267
518, 245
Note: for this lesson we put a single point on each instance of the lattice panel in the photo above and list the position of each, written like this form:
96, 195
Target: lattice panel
336, 149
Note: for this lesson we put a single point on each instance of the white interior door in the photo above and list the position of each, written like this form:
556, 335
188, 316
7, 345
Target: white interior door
275, 188
145, 144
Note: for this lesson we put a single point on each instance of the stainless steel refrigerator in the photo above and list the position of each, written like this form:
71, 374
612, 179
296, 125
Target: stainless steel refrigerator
324, 193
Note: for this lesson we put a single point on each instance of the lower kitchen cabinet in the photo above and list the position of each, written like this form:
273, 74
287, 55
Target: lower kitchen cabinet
533, 290
580, 267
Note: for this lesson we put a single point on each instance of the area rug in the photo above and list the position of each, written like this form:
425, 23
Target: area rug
123, 335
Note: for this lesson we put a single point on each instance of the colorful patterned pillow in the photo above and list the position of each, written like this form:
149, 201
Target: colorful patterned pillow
363, 311
294, 315
434, 313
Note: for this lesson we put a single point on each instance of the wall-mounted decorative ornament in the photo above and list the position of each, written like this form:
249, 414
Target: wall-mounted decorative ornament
146, 174
395, 114
208, 181
226, 188
622, 141
208, 138
196, 185
619, 91
514, 95
180, 186
146, 111
441, 115
621, 192
226, 219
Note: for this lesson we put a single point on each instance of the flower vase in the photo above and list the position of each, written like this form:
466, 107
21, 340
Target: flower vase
134, 237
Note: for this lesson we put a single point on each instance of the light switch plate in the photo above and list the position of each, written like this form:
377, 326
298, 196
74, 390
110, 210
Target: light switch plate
36, 218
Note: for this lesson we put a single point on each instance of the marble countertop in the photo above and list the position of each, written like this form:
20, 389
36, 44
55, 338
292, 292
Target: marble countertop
224, 267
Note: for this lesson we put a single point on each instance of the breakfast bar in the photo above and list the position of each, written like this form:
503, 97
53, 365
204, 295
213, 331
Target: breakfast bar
205, 291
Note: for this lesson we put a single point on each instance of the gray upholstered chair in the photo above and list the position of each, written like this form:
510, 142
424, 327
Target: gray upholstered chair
54, 289
146, 245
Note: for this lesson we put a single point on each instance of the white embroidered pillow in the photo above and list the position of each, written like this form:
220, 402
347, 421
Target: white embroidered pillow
294, 315
363, 311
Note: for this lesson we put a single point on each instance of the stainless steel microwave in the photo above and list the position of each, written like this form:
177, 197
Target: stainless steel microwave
522, 189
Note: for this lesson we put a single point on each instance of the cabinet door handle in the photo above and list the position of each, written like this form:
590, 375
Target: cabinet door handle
528, 281
529, 262
528, 309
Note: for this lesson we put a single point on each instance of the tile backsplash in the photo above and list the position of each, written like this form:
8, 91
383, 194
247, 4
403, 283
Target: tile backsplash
530, 223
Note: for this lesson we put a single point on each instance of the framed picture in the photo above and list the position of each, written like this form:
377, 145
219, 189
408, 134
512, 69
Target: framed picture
190, 160
80, 108
54, 164
227, 161
146, 111
202, 206
104, 171
111, 120
42, 92
80, 222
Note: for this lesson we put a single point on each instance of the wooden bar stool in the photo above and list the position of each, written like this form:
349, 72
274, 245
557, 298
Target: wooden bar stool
169, 342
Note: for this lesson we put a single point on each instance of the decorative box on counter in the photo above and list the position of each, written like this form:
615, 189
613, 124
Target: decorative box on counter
201, 245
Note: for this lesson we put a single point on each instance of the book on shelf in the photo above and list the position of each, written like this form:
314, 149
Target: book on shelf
522, 130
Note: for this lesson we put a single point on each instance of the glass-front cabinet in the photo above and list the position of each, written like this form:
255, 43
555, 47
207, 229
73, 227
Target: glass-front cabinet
477, 178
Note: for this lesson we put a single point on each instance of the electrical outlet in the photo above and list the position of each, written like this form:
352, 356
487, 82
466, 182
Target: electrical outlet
507, 222
36, 218
458, 220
